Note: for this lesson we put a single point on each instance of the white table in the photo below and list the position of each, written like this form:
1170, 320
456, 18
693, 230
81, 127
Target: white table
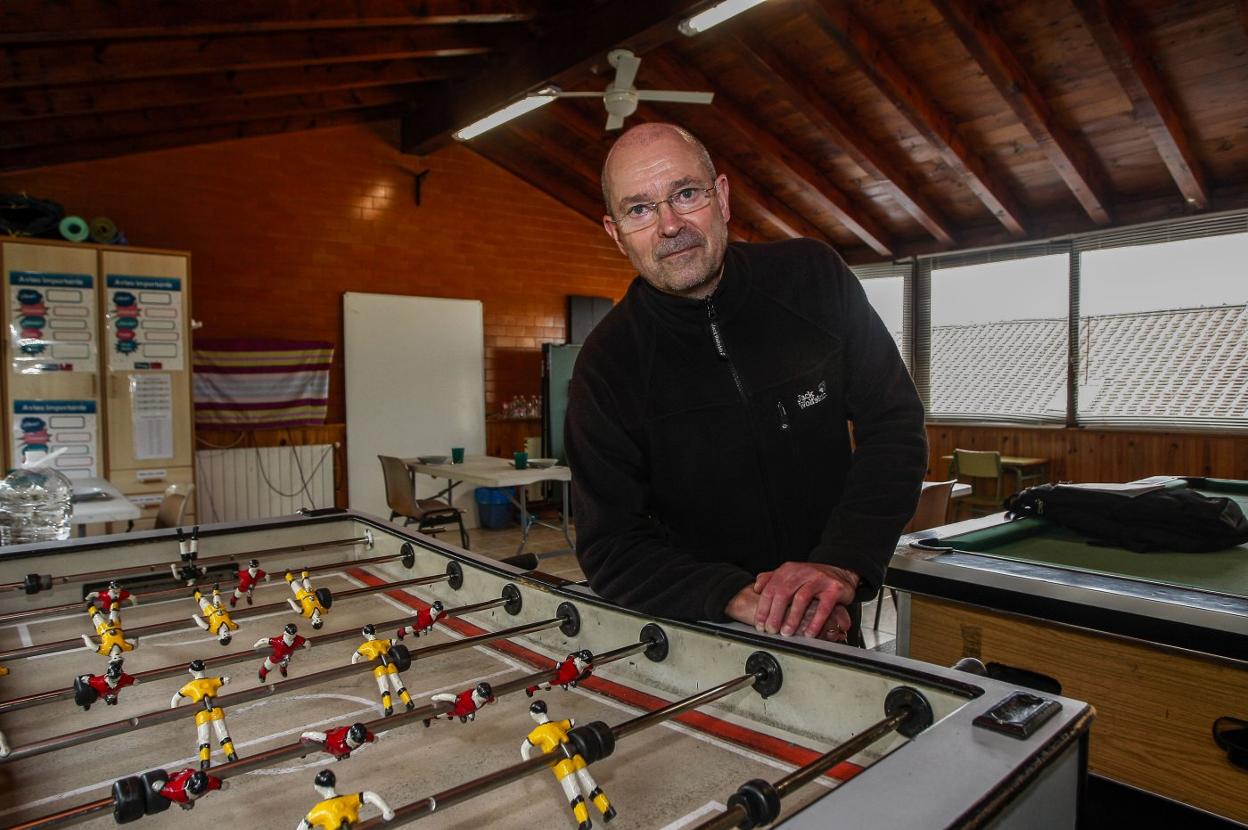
959, 490
96, 500
487, 471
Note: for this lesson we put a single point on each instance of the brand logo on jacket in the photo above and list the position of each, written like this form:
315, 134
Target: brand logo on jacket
814, 396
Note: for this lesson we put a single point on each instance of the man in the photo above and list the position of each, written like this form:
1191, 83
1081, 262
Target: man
708, 415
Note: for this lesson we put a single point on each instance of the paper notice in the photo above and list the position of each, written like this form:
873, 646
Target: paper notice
151, 416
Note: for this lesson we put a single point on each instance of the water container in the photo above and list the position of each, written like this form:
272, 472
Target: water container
34, 503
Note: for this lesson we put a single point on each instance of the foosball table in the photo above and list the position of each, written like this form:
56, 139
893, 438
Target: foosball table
333, 670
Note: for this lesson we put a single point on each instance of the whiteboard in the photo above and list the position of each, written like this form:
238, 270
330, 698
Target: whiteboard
415, 382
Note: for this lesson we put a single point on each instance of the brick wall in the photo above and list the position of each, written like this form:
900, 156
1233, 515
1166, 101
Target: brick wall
279, 227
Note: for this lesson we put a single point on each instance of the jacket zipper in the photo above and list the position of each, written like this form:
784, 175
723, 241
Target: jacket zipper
722, 351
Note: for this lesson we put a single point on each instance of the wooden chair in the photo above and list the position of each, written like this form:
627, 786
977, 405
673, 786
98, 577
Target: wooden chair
931, 511
173, 505
428, 514
983, 466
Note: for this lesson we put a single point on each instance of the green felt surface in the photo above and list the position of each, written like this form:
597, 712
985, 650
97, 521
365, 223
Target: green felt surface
1037, 541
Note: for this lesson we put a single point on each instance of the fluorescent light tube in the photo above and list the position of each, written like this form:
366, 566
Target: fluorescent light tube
512, 110
715, 15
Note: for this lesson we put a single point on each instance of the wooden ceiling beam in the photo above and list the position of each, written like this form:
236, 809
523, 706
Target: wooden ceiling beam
524, 129
155, 93
871, 57
92, 128
98, 63
796, 168
567, 46
1131, 61
1074, 162
38, 21
865, 152
48, 155
490, 146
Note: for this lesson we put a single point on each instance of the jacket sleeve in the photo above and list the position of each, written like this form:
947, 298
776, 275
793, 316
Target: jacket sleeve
625, 552
890, 444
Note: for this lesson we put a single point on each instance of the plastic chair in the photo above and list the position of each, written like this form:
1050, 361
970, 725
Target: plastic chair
983, 465
931, 510
428, 514
173, 506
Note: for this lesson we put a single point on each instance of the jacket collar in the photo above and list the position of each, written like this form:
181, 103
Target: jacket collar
728, 298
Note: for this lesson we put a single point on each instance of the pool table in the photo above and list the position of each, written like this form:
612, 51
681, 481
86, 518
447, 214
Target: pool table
1157, 642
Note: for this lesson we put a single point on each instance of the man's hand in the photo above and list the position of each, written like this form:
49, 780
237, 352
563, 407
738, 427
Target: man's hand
805, 597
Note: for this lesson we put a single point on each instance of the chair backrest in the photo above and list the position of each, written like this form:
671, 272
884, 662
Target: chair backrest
977, 463
173, 505
400, 495
933, 506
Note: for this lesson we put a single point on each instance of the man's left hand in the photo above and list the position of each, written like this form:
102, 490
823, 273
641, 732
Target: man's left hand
806, 595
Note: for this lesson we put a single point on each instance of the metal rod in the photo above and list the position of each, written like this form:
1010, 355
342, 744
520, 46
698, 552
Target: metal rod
491, 781
241, 614
70, 815
90, 576
735, 815
107, 730
183, 590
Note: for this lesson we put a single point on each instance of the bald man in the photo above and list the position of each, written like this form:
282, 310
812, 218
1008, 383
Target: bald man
709, 413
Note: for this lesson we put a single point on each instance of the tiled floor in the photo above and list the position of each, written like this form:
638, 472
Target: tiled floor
555, 558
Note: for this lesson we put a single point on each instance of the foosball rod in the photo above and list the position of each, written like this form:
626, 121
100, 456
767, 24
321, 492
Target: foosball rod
425, 807
242, 614
45, 581
756, 803
303, 747
181, 590
148, 719
40, 698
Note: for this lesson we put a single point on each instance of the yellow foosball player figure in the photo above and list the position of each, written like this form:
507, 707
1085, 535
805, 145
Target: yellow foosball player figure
202, 690
112, 638
571, 772
312, 604
339, 812
386, 672
215, 619
4, 671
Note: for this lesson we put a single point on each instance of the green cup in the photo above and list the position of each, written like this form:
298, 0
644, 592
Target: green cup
457, 455
521, 459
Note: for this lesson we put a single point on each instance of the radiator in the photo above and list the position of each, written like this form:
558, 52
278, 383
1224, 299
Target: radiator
258, 482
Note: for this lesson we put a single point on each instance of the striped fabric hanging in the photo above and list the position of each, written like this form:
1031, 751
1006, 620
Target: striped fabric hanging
245, 383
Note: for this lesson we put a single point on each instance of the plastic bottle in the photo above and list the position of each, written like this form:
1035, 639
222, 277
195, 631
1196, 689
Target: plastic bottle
35, 502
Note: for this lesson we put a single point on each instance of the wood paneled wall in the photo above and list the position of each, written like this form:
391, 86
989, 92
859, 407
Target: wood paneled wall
1098, 455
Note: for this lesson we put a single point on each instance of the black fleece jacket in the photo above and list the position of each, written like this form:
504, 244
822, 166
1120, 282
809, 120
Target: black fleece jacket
709, 439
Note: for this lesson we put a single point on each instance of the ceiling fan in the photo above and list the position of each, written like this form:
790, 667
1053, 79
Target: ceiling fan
621, 97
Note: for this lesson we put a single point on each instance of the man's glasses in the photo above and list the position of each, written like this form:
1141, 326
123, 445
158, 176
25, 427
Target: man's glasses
644, 214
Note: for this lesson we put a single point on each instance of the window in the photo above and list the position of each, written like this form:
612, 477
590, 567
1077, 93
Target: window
999, 339
1163, 338
885, 287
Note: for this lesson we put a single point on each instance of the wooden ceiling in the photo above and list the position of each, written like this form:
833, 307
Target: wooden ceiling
887, 128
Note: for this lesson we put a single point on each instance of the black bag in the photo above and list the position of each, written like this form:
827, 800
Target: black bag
1177, 519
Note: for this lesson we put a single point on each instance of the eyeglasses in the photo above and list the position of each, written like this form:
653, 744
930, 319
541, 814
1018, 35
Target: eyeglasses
644, 214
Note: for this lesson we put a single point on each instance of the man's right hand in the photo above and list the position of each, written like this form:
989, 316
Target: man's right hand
743, 607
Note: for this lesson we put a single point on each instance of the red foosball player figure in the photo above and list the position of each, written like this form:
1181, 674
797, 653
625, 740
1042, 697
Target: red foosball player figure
88, 688
202, 690
215, 618
572, 670
187, 786
112, 638
112, 597
339, 812
341, 741
283, 648
305, 601
385, 672
425, 618
247, 580
571, 773
465, 704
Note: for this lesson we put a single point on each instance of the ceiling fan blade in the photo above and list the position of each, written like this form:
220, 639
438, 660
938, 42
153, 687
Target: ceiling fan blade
615, 122
578, 94
677, 96
625, 63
